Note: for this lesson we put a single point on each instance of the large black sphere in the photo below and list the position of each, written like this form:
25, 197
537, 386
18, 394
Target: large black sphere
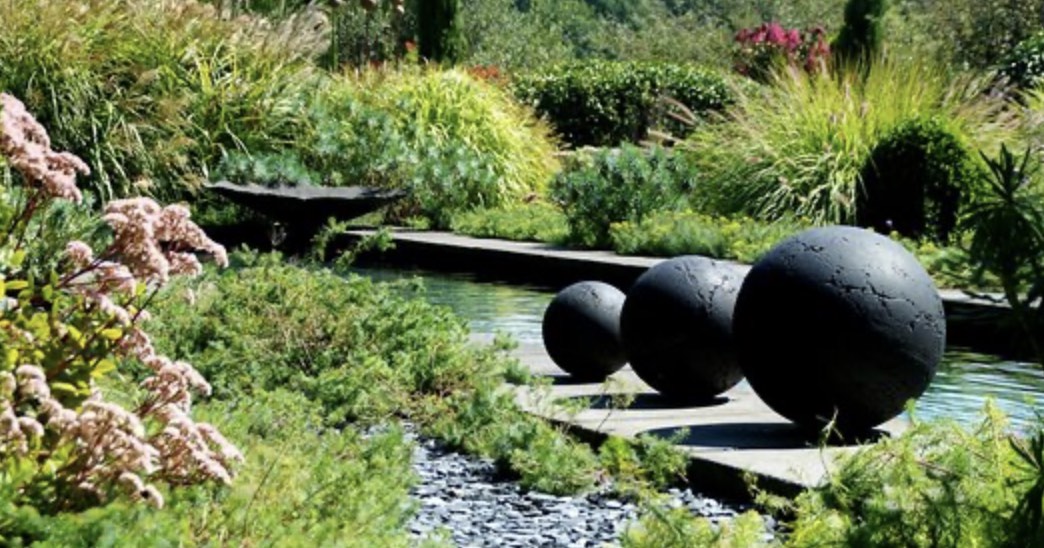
582, 330
839, 323
676, 327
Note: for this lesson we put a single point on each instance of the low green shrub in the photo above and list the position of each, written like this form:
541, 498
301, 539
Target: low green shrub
617, 185
672, 233
915, 180
537, 221
601, 103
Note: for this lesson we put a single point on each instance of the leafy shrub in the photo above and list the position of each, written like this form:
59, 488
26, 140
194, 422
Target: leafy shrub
799, 147
1024, 66
455, 142
672, 233
624, 184
914, 180
157, 91
608, 103
770, 47
539, 222
67, 323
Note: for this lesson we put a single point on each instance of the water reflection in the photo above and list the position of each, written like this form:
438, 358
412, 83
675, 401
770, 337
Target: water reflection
961, 387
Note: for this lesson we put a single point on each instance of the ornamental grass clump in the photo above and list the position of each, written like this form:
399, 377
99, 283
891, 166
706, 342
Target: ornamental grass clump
63, 444
799, 146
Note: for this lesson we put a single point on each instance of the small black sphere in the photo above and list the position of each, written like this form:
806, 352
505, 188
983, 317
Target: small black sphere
839, 323
676, 327
582, 330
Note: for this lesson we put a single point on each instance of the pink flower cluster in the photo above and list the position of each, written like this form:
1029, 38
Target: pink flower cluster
28, 147
770, 43
111, 447
155, 242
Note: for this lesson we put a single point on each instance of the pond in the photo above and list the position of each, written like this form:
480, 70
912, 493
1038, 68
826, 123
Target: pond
961, 387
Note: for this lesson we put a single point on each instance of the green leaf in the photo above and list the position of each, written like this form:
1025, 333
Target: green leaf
103, 367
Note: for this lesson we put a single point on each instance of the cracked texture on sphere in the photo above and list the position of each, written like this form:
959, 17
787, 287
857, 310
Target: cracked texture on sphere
581, 330
839, 321
676, 327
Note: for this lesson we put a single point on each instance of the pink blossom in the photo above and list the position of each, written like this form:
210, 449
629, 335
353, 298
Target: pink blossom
28, 148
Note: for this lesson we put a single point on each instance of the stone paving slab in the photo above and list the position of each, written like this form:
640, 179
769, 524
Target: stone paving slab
726, 439
496, 247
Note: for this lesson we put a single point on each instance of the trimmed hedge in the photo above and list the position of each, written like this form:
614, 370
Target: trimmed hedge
605, 103
914, 180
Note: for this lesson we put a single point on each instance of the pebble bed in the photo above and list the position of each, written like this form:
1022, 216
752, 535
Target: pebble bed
462, 498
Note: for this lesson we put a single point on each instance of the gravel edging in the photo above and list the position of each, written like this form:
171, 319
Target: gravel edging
463, 498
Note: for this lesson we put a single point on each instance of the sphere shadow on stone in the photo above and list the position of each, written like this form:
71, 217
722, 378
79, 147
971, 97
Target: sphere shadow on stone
676, 328
758, 435
840, 326
645, 401
581, 330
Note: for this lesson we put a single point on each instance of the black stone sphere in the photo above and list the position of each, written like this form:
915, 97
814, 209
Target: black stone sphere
676, 327
582, 330
839, 323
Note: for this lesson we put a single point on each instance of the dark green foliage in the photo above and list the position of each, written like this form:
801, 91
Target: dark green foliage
859, 40
438, 33
914, 180
1006, 220
1024, 66
624, 184
608, 103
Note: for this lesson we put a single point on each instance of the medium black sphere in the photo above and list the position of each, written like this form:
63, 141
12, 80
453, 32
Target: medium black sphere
839, 323
582, 330
676, 327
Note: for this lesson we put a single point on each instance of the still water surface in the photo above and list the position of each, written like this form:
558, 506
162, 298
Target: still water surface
961, 387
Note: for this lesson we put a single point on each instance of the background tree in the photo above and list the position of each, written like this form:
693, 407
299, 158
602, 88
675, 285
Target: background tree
859, 40
438, 31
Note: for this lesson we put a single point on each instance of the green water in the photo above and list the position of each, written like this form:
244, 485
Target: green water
961, 387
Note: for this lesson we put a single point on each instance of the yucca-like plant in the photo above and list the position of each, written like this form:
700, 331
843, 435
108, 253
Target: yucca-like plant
797, 146
1007, 224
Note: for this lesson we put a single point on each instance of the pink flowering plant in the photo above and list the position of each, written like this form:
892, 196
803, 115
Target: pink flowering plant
63, 445
769, 47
